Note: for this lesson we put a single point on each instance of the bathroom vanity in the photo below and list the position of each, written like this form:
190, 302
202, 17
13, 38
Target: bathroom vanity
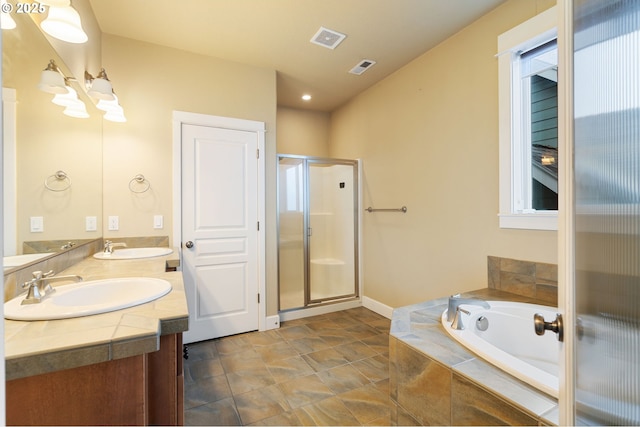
117, 368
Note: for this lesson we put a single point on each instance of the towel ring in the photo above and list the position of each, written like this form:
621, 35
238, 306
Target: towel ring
139, 180
59, 176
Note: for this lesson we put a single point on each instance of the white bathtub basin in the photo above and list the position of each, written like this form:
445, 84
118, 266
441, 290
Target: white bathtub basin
510, 343
87, 298
133, 253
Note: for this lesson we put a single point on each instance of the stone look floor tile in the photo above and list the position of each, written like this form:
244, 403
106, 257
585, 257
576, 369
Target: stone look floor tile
331, 369
260, 404
343, 378
366, 403
304, 390
287, 369
325, 359
328, 412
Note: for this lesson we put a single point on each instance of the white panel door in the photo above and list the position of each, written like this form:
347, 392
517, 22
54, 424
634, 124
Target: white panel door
220, 230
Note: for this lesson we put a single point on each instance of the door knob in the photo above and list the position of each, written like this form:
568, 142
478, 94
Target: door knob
189, 244
541, 326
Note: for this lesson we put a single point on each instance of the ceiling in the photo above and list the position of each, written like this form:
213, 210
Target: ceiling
276, 34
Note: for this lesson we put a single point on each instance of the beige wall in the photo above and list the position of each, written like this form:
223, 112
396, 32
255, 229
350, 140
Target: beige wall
303, 132
48, 141
151, 82
428, 137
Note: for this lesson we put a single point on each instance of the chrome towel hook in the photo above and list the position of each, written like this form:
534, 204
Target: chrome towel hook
139, 184
59, 181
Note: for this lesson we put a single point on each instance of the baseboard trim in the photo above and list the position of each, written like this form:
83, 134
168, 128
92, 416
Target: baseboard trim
378, 307
272, 322
321, 309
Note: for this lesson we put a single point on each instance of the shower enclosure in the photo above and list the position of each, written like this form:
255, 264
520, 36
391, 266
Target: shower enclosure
317, 231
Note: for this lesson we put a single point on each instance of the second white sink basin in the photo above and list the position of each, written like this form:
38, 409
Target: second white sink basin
87, 298
133, 253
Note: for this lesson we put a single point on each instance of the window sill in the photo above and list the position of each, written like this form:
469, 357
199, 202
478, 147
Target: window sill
530, 221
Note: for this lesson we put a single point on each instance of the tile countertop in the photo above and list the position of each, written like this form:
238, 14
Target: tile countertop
419, 326
38, 347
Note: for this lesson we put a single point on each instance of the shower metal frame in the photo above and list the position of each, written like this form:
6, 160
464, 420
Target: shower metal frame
306, 161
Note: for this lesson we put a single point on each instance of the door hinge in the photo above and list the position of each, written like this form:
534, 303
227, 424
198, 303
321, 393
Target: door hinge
258, 225
258, 298
257, 153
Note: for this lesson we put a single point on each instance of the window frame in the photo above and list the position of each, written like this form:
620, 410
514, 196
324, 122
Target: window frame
534, 32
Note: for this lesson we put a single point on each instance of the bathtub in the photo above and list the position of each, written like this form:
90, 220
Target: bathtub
510, 342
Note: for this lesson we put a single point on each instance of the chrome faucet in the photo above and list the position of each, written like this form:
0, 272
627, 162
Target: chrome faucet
457, 320
109, 245
40, 286
455, 301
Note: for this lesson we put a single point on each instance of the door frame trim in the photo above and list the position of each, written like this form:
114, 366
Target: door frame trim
184, 117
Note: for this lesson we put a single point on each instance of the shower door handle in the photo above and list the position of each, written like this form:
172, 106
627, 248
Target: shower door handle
541, 326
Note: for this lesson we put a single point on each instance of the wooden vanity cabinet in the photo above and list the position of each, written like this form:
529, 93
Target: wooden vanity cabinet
146, 389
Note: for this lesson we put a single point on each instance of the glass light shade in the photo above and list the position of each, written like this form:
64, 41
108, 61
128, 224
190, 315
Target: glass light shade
56, 3
107, 106
115, 116
78, 110
101, 89
66, 99
52, 82
6, 21
64, 24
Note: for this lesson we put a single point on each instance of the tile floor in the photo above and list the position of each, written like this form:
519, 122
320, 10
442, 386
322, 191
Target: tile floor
331, 369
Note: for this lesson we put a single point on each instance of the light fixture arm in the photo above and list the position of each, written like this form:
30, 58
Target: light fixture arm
51, 66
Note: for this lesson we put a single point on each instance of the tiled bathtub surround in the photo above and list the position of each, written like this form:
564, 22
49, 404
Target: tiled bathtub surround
531, 279
433, 380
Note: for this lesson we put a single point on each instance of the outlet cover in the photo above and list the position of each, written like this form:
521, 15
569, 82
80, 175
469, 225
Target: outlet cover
37, 224
114, 223
91, 223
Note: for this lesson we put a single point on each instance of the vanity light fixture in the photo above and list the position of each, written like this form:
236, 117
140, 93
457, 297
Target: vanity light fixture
56, 3
64, 24
113, 111
74, 107
6, 21
66, 99
77, 110
52, 79
99, 87
306, 97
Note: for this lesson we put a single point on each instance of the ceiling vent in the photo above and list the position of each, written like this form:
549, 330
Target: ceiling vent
327, 38
362, 66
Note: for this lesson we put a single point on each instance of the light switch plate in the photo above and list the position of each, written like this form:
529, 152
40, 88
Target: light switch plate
114, 223
158, 221
91, 223
37, 224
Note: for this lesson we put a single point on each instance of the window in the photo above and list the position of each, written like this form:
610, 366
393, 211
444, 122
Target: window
528, 83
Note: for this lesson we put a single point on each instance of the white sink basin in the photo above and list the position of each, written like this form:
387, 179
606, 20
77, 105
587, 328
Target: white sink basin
18, 260
133, 253
87, 298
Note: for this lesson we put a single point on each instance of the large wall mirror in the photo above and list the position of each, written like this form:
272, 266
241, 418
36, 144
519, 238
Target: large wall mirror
46, 142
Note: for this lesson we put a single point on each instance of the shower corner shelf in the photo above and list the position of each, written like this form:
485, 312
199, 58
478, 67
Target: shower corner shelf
321, 213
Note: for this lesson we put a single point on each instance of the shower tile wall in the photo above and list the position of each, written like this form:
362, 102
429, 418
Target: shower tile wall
531, 279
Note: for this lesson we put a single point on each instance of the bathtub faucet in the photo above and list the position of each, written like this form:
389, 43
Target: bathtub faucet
455, 301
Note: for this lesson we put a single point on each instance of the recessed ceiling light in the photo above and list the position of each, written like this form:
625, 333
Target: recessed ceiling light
306, 97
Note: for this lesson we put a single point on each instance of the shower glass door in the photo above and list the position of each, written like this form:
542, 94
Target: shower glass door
332, 232
317, 230
291, 228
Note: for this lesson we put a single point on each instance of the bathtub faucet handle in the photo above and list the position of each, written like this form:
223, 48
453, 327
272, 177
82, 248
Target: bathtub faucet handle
541, 326
457, 321
456, 300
